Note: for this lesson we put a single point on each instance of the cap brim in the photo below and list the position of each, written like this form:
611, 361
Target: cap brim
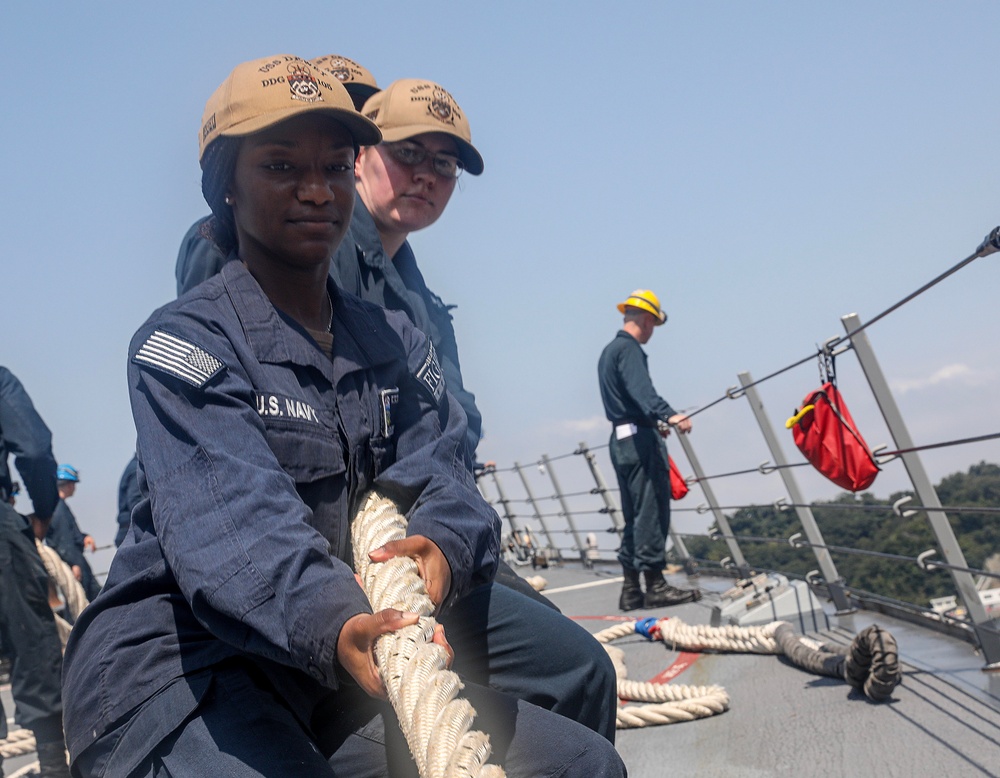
364, 132
471, 159
357, 89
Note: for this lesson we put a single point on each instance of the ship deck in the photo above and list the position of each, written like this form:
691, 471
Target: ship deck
943, 720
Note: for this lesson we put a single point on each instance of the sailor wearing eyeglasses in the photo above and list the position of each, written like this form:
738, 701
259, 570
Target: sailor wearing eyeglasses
404, 185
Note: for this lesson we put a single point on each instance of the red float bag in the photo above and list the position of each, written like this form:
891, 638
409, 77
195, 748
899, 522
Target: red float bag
825, 434
678, 486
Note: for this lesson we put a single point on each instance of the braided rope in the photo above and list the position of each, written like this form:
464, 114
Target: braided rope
670, 703
18, 743
422, 691
701, 637
666, 703
62, 575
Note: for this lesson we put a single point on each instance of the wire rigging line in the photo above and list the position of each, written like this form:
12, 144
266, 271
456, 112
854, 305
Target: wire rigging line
988, 246
976, 439
972, 257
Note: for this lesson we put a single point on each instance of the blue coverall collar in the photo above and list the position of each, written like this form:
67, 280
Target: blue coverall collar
275, 339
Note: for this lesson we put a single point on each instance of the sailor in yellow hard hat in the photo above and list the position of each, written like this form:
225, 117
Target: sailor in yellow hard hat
645, 300
638, 415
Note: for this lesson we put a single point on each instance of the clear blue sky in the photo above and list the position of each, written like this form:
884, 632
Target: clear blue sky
766, 167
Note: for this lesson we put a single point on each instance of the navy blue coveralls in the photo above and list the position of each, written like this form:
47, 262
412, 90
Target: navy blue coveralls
361, 267
638, 453
225, 601
66, 537
129, 496
27, 626
503, 623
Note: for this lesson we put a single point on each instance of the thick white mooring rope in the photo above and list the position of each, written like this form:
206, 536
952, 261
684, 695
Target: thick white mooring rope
62, 576
671, 703
424, 694
18, 743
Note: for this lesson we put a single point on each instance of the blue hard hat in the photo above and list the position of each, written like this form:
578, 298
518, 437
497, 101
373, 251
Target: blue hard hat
67, 473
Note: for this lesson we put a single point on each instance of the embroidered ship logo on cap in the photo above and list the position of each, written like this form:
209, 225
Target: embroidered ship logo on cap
341, 69
443, 107
302, 84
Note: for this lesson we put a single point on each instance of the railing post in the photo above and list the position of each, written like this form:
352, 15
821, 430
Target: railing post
806, 519
682, 551
538, 514
505, 503
989, 639
602, 488
565, 509
720, 518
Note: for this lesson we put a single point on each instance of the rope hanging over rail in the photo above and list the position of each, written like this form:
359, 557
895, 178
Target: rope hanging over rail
424, 694
870, 664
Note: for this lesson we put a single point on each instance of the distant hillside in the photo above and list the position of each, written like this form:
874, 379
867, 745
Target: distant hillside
869, 523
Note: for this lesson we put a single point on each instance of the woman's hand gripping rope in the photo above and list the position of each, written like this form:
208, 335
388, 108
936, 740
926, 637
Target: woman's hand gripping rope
411, 654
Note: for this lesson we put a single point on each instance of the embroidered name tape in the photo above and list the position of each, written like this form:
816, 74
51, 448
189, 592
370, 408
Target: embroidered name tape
179, 358
283, 407
430, 375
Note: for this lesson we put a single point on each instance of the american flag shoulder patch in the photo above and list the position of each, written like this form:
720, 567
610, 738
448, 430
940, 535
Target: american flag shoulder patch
179, 358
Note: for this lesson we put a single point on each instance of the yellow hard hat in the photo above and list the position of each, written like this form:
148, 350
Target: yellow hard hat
644, 300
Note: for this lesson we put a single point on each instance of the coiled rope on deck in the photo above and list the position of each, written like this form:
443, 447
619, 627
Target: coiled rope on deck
870, 664
423, 692
666, 703
18, 743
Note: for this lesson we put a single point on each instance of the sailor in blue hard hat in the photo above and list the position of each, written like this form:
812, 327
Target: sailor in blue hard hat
65, 535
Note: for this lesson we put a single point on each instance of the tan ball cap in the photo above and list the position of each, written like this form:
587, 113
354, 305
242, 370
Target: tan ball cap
412, 106
357, 79
264, 92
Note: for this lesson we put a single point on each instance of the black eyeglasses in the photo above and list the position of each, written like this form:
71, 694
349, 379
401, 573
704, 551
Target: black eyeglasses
412, 154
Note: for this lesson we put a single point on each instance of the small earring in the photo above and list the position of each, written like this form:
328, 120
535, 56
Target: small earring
229, 200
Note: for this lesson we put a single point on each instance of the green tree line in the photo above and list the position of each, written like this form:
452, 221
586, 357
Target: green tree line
863, 521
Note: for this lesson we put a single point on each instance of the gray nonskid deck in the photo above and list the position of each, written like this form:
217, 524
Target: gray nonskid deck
944, 720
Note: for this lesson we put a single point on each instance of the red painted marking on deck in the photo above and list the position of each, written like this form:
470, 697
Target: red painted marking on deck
683, 661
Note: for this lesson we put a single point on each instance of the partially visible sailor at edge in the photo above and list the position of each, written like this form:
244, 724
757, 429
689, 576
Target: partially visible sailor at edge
27, 626
65, 535
640, 419
581, 682
231, 637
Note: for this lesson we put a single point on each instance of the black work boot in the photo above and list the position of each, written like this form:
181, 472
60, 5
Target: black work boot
660, 594
52, 760
631, 591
